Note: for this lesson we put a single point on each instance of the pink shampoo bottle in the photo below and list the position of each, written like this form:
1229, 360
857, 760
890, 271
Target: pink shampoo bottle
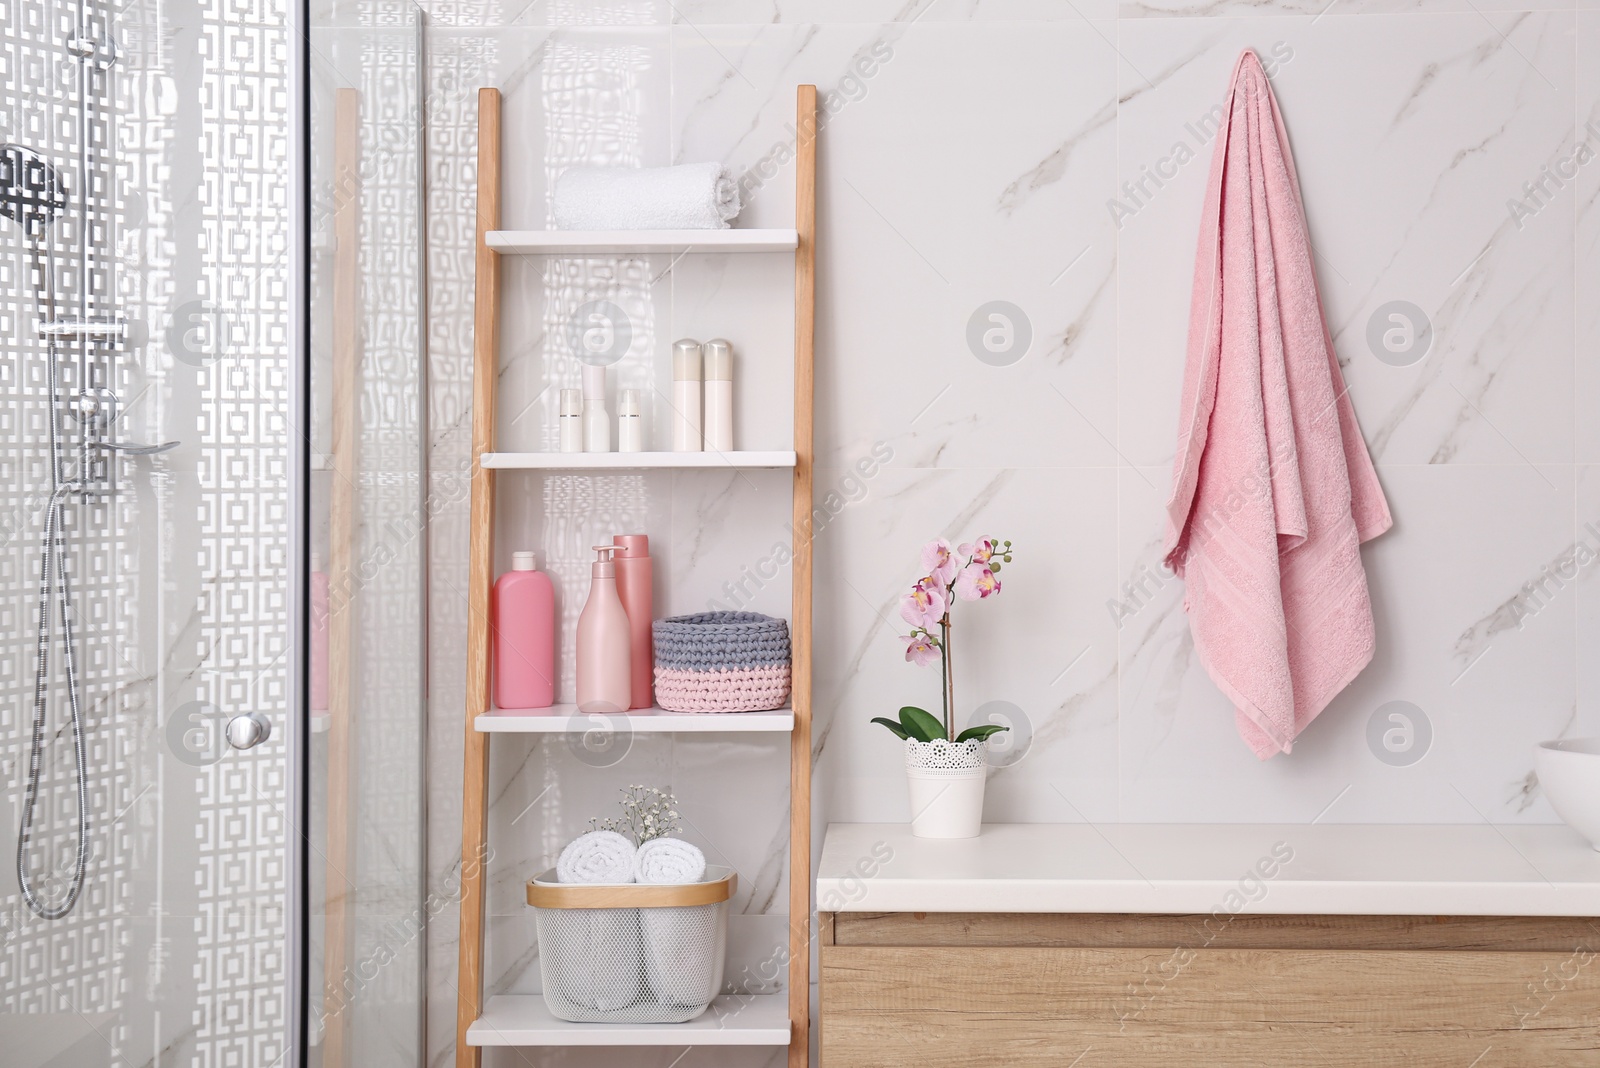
524, 617
635, 576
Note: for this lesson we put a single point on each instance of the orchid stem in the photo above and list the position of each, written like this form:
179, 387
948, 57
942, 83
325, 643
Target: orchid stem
949, 677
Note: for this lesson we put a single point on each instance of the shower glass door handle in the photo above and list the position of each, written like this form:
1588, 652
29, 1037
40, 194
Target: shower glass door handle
248, 730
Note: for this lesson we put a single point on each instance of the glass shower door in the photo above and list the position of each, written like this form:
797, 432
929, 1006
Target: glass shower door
152, 559
368, 914
211, 498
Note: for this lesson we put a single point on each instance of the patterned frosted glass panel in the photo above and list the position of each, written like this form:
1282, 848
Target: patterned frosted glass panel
170, 126
368, 915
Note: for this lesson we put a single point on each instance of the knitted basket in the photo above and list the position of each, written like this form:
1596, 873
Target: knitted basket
721, 662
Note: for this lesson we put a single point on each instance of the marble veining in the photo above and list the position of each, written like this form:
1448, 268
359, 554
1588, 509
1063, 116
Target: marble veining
970, 154
1053, 167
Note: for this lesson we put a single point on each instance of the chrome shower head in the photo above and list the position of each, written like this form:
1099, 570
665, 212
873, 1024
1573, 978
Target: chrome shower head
30, 191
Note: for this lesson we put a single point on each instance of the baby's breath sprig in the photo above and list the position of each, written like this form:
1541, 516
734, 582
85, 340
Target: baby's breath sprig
646, 813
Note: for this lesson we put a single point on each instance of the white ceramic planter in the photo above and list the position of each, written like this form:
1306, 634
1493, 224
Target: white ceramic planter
946, 784
1569, 775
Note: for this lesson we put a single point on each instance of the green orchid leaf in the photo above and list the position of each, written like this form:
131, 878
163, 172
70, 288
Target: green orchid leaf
980, 732
899, 731
920, 725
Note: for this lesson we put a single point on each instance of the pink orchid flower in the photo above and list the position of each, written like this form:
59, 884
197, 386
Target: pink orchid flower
979, 550
976, 582
940, 560
920, 649
924, 605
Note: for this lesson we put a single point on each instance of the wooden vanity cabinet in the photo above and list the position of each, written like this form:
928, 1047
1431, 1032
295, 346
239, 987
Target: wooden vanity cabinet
966, 990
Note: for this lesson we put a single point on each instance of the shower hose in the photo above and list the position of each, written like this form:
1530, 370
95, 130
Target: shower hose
53, 564
35, 203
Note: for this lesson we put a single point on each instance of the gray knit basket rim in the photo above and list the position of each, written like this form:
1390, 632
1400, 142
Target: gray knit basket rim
742, 620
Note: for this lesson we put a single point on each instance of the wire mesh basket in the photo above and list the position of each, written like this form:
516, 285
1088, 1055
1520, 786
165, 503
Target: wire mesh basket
631, 953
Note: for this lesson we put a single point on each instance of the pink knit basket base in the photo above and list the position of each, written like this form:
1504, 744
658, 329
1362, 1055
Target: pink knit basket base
757, 689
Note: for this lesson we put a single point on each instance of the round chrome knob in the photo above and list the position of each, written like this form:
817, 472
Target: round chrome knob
249, 730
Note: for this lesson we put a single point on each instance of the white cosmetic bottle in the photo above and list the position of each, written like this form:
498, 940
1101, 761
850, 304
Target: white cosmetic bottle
596, 420
718, 356
686, 396
630, 421
571, 420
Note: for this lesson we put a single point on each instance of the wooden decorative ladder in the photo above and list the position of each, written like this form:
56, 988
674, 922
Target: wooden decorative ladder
512, 1020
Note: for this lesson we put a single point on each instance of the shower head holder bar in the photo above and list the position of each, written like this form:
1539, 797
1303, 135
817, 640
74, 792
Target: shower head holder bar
114, 329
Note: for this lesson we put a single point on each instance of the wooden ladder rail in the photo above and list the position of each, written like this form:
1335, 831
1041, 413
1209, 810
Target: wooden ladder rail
475, 791
339, 874
805, 294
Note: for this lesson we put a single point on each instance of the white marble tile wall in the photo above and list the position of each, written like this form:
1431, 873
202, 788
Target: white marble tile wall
972, 153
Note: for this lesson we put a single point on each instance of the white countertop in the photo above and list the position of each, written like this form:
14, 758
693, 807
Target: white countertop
1476, 870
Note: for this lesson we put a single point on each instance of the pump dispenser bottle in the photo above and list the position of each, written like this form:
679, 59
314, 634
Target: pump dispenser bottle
604, 666
635, 577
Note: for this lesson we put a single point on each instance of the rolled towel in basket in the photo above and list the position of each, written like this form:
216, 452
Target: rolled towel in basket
597, 857
601, 968
683, 947
692, 196
669, 860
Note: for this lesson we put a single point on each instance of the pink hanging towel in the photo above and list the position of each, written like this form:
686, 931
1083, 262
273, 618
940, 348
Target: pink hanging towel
1273, 490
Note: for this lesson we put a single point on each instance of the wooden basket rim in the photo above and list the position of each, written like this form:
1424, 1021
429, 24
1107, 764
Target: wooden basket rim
546, 893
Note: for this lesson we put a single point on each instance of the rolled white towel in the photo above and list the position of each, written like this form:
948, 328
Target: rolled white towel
597, 857
692, 196
600, 967
668, 860
683, 947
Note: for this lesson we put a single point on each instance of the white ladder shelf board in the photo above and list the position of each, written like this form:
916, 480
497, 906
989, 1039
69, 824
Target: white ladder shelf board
635, 461
639, 242
732, 1020
565, 719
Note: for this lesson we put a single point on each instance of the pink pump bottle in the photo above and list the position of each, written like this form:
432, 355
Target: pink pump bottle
524, 617
635, 576
605, 682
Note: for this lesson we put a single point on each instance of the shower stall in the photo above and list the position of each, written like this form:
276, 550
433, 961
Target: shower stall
212, 533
